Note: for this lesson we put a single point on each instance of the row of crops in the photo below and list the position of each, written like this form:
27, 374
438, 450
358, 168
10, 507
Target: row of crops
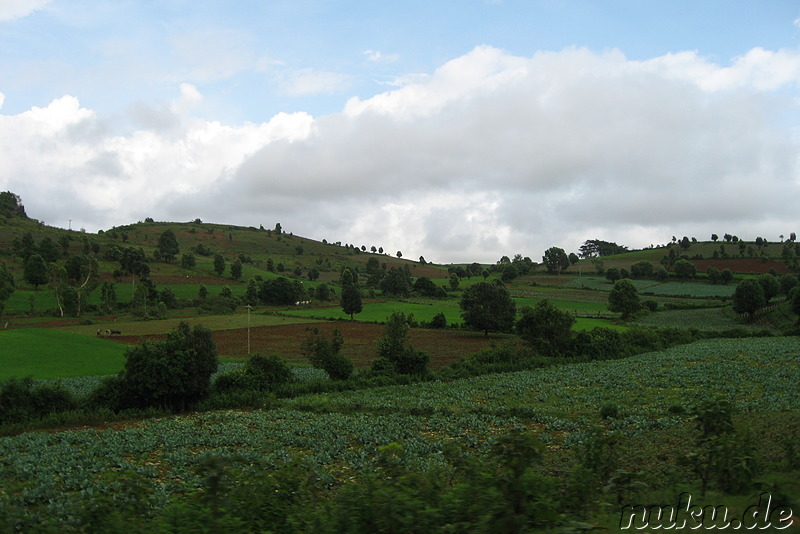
339, 434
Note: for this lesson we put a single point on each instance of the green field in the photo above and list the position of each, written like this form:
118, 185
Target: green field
50, 353
338, 435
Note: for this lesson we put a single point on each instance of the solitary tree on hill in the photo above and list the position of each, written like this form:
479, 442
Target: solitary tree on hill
36, 273
748, 297
219, 263
168, 245
555, 260
624, 298
488, 306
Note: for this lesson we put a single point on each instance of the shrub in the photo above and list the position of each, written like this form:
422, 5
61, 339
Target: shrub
324, 354
22, 400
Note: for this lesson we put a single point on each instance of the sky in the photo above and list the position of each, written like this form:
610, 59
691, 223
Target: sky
456, 130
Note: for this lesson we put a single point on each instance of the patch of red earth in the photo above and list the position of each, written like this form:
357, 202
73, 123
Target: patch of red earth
360, 342
742, 265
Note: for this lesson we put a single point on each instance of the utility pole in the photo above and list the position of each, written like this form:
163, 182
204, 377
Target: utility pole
248, 328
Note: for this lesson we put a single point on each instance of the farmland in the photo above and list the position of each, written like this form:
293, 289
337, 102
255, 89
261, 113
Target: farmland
633, 387
338, 435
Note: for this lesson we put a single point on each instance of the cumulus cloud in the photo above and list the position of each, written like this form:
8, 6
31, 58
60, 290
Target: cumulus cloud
14, 9
489, 155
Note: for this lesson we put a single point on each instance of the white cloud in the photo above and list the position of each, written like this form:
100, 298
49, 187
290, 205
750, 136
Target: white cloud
14, 9
376, 56
491, 154
306, 82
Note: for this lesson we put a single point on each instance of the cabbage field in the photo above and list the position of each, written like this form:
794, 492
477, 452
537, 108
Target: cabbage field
338, 434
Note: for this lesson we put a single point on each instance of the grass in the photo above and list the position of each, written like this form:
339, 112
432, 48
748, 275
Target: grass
49, 353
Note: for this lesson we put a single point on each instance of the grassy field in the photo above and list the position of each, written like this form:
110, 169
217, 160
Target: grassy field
50, 353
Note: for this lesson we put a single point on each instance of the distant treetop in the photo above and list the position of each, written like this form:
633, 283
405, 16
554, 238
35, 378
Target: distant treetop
11, 205
594, 248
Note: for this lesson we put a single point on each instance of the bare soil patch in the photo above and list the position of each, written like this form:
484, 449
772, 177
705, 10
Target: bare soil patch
360, 342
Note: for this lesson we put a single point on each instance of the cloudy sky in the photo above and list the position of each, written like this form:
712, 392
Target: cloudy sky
460, 130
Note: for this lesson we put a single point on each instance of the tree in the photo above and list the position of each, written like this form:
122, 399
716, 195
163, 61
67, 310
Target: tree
426, 287
788, 281
108, 294
726, 276
281, 291
555, 260
748, 297
236, 269
351, 300
714, 237
219, 263
395, 355
7, 286
172, 374
35, 272
324, 353
88, 282
684, 269
685, 243
794, 300
594, 248
48, 250
58, 284
624, 298
488, 306
612, 274
395, 283
545, 327
168, 245
573, 258
11, 205
134, 262
642, 269
770, 285
188, 261
713, 275
454, 281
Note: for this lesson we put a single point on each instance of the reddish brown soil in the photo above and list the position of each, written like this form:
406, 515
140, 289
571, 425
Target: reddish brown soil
743, 265
360, 342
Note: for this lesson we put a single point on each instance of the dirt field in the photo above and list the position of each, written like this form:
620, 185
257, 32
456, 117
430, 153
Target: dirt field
360, 342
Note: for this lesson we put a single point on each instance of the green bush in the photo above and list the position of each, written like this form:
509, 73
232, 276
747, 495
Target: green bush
23, 400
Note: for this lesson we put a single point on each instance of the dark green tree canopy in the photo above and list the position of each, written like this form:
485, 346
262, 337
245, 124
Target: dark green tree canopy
396, 283
624, 298
11, 205
36, 271
219, 263
173, 374
684, 269
351, 300
7, 286
236, 269
324, 353
488, 306
396, 356
168, 245
555, 260
748, 297
545, 327
770, 285
594, 248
